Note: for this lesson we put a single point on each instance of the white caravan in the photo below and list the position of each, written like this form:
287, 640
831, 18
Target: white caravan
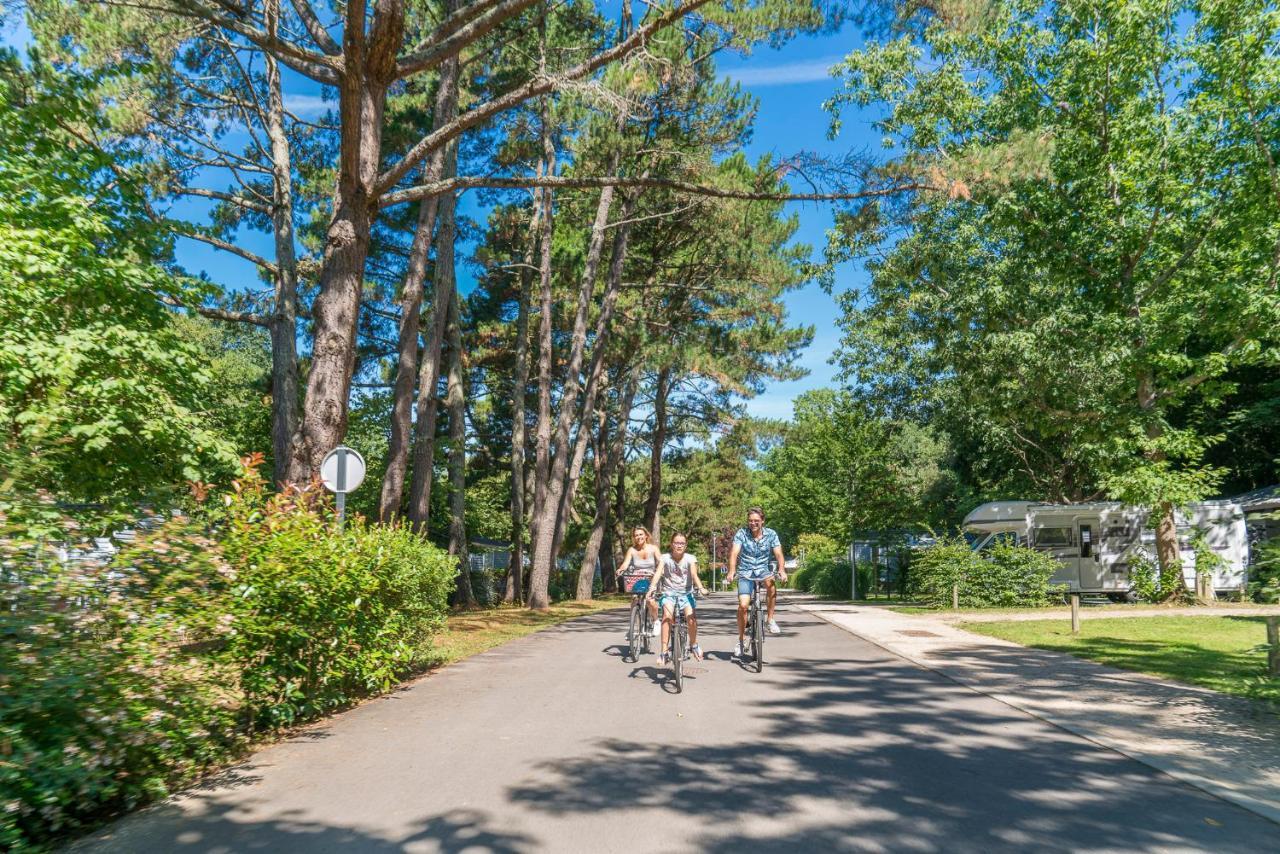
1094, 542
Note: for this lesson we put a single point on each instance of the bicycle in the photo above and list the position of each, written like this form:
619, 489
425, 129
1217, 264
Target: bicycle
640, 623
757, 615
678, 646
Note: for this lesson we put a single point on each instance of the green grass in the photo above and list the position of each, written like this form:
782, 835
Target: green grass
1213, 652
467, 633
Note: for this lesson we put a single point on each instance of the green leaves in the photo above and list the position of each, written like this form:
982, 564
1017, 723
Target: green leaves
1096, 261
101, 398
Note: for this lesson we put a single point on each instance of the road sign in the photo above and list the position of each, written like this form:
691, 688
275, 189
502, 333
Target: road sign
342, 471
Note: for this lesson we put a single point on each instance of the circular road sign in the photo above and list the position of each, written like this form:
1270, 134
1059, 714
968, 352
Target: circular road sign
342, 470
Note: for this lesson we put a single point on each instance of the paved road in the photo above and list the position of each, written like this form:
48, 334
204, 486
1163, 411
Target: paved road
555, 743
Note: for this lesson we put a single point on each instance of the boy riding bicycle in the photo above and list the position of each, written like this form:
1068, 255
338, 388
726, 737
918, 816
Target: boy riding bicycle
677, 573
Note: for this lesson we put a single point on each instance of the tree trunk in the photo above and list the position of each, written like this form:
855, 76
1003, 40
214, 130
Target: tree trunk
607, 305
540, 576
284, 320
652, 506
544, 543
411, 308
369, 64
1168, 555
464, 596
608, 455
424, 446
519, 388
620, 533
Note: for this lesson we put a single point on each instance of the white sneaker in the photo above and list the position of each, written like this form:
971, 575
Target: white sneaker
737, 650
653, 633
773, 628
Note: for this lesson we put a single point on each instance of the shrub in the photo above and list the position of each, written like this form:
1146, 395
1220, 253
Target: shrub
802, 580
1264, 573
103, 705
1006, 576
323, 618
834, 580
1144, 577
122, 679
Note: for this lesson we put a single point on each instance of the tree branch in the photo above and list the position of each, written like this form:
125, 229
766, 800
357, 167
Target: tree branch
229, 198
562, 182
233, 249
460, 29
323, 40
537, 86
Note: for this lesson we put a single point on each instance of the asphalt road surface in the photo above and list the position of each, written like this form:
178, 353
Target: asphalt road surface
556, 743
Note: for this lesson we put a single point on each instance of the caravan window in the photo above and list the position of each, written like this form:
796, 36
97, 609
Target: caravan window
1053, 537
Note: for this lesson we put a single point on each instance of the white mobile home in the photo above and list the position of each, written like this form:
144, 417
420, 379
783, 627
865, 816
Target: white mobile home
1094, 542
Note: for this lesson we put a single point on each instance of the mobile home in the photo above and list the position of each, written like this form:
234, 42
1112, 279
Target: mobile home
1094, 542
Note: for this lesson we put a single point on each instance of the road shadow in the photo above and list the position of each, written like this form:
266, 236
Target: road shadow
220, 828
882, 755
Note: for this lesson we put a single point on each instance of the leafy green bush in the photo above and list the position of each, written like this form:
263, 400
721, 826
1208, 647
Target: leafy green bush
323, 618
1264, 573
834, 580
122, 679
802, 579
1006, 576
1144, 577
102, 703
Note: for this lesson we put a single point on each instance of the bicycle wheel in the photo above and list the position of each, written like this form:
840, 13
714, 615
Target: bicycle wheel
757, 642
633, 633
677, 655
646, 623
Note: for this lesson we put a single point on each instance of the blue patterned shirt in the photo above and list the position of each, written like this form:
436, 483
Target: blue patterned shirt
755, 557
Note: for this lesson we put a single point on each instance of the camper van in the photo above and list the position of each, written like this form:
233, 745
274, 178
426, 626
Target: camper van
1094, 542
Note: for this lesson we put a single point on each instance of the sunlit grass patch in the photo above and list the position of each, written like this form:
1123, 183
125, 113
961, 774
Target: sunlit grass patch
1213, 652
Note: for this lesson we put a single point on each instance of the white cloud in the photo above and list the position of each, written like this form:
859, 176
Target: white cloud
307, 106
808, 71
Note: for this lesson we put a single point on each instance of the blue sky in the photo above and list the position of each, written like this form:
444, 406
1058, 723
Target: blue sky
791, 83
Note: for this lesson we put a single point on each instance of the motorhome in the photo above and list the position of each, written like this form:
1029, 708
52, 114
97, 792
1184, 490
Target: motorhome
1095, 542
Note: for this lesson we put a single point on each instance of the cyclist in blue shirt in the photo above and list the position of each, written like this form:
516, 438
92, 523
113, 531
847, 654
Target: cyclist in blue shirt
756, 549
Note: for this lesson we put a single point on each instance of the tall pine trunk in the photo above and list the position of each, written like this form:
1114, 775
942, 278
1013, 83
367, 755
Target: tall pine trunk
284, 320
608, 455
464, 596
653, 505
608, 304
548, 512
539, 576
369, 65
415, 278
428, 407
514, 591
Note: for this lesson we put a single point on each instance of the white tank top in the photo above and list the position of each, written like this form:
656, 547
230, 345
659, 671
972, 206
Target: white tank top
676, 577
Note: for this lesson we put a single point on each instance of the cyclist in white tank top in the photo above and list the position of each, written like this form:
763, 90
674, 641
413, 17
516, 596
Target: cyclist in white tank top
677, 575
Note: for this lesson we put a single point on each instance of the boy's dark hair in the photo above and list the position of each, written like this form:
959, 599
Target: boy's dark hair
757, 511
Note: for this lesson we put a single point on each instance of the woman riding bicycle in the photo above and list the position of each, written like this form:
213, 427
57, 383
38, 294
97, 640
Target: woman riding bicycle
677, 572
640, 563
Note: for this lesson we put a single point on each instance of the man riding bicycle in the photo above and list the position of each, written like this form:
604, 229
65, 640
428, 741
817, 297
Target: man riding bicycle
677, 573
755, 548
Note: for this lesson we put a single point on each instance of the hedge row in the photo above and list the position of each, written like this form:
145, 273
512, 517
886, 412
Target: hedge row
1005, 576
122, 680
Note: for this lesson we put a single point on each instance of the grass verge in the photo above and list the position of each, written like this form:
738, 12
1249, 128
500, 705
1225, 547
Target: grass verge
1213, 652
467, 633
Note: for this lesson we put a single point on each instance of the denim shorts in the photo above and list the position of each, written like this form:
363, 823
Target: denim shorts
678, 600
745, 584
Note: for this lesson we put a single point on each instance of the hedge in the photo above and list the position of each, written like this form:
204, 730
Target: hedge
1005, 576
123, 679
